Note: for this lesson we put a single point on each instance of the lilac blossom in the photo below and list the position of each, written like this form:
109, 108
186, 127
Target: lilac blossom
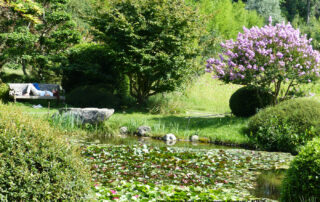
266, 56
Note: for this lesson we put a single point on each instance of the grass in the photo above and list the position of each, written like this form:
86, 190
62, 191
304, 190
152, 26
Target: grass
183, 113
219, 129
204, 94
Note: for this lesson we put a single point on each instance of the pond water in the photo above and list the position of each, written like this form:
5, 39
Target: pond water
268, 183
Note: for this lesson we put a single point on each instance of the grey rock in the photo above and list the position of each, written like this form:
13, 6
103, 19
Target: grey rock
87, 115
194, 138
144, 131
169, 137
123, 130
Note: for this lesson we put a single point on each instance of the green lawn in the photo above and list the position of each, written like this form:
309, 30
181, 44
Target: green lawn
202, 103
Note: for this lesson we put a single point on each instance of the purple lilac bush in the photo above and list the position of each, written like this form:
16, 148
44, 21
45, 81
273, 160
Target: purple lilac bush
270, 57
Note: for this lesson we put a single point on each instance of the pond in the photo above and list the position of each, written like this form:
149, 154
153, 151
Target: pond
145, 169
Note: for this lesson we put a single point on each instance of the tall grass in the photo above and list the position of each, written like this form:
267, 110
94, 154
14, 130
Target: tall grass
202, 94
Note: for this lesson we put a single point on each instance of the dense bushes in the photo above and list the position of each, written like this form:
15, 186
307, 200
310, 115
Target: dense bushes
36, 163
4, 92
90, 64
247, 100
302, 181
286, 126
92, 96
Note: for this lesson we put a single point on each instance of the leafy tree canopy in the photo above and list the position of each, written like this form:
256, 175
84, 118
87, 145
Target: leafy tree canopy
153, 41
36, 34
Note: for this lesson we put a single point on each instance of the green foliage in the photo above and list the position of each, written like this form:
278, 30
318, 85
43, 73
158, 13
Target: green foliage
93, 64
266, 8
40, 44
166, 103
226, 18
4, 92
312, 29
294, 8
302, 181
37, 164
286, 126
247, 100
154, 42
92, 96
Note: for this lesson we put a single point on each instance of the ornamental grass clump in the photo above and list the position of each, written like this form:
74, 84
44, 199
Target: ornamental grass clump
273, 57
36, 162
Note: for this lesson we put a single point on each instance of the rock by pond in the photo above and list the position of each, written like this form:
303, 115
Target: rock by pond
123, 130
87, 115
169, 137
194, 138
143, 130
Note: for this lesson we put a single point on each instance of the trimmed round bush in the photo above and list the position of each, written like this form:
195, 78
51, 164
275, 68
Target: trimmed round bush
247, 100
302, 181
92, 96
4, 92
37, 163
286, 126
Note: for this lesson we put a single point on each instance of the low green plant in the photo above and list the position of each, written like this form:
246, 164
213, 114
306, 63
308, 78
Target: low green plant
302, 181
247, 100
286, 126
4, 92
37, 163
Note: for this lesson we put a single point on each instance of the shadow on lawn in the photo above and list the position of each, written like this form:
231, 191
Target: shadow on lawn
200, 122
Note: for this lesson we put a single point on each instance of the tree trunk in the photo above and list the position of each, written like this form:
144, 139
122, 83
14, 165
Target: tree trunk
308, 11
24, 68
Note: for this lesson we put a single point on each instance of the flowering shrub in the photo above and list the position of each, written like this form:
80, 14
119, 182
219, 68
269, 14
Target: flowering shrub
268, 57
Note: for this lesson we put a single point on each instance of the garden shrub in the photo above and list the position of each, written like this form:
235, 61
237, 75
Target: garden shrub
37, 164
92, 96
302, 181
4, 92
247, 100
90, 64
285, 126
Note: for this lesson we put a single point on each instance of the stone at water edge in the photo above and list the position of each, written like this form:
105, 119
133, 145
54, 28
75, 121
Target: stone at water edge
194, 138
87, 115
144, 130
169, 137
123, 130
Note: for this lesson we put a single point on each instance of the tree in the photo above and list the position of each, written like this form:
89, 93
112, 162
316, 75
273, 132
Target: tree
39, 43
305, 9
266, 8
154, 41
268, 58
14, 14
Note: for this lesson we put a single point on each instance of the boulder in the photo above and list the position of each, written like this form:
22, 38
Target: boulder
194, 138
144, 131
169, 137
87, 115
123, 130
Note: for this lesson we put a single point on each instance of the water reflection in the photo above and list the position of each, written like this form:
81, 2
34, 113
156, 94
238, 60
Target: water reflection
131, 140
269, 184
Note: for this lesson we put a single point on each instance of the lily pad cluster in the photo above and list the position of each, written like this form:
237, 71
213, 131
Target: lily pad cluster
137, 172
